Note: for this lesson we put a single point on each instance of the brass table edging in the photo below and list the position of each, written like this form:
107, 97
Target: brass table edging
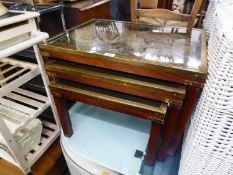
53, 76
194, 84
177, 92
161, 112
204, 65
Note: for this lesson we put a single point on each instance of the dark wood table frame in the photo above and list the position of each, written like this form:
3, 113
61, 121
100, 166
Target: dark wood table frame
193, 79
194, 84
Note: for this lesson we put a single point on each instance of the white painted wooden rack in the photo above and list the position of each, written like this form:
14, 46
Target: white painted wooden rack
19, 106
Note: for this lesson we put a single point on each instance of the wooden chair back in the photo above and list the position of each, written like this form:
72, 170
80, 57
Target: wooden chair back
163, 13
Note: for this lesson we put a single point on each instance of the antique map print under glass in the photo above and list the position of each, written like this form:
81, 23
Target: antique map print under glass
177, 46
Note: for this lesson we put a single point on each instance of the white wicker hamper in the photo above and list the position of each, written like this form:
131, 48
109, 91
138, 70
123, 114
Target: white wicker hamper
208, 21
208, 143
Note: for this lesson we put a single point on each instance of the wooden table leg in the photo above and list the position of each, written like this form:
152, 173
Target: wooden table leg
153, 140
169, 127
63, 115
189, 104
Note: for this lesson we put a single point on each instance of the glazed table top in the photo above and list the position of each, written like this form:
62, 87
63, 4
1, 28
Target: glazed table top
177, 50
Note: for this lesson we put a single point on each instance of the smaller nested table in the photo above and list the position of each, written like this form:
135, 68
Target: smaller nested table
149, 72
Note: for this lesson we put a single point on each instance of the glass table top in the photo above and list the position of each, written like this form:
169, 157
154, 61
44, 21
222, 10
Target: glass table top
177, 47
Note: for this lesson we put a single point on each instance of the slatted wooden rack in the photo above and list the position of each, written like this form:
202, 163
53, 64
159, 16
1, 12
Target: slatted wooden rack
18, 106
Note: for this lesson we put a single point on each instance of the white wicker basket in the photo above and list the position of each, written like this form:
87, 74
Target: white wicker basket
208, 144
209, 18
208, 21
212, 165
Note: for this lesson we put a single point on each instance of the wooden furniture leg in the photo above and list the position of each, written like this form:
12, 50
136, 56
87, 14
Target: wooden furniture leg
169, 128
153, 140
63, 115
189, 104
